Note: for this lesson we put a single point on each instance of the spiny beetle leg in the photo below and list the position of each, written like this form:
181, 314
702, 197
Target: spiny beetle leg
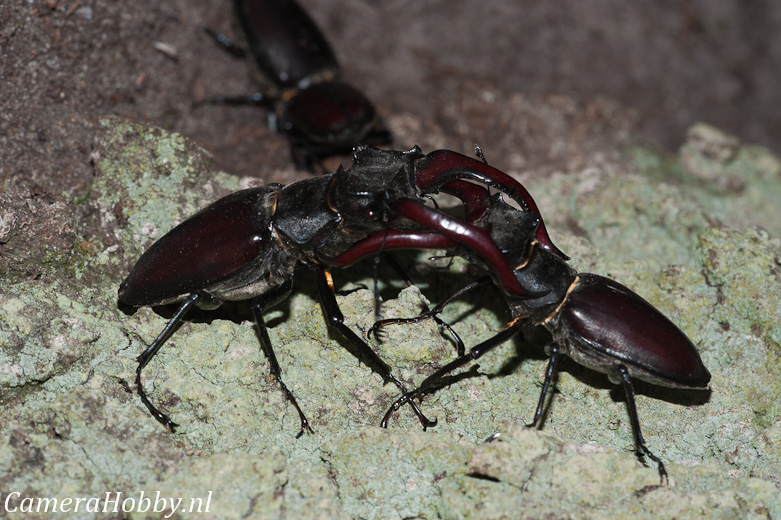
255, 99
433, 313
460, 347
642, 449
335, 320
550, 374
152, 349
260, 304
227, 43
619, 375
376, 329
513, 328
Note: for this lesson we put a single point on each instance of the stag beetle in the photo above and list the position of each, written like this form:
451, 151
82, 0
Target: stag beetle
298, 75
246, 246
597, 322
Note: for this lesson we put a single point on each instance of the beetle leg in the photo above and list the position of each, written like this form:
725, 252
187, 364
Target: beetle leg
228, 44
239, 51
640, 446
433, 314
395, 239
257, 99
259, 304
152, 349
335, 320
476, 352
388, 258
305, 154
550, 373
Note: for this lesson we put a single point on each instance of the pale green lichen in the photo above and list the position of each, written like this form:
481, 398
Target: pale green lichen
531, 475
734, 183
150, 180
72, 420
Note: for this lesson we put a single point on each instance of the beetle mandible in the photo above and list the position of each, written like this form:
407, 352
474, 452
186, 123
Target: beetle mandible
247, 246
597, 322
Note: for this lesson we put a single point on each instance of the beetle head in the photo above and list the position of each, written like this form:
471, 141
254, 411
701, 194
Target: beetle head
364, 201
365, 194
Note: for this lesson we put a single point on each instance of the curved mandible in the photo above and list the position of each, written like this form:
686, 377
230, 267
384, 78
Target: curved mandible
472, 237
437, 169
389, 240
476, 198
440, 232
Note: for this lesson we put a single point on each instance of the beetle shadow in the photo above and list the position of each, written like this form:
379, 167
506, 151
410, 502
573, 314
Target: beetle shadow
679, 396
529, 345
600, 381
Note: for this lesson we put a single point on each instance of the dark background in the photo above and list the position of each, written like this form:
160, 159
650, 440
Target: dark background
657, 65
